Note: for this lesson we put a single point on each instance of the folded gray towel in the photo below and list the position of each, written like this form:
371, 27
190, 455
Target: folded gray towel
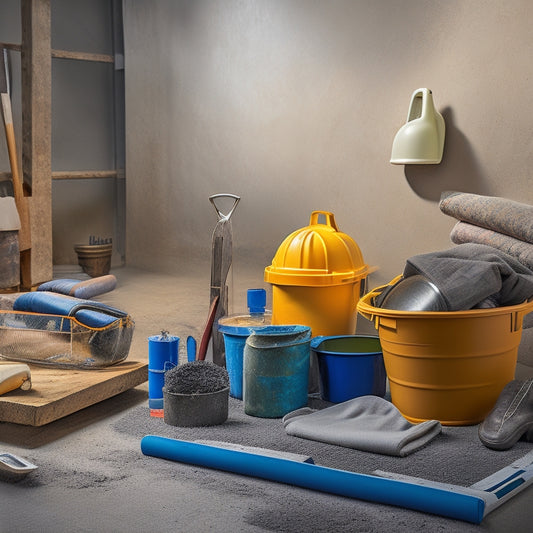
367, 423
468, 274
498, 214
464, 232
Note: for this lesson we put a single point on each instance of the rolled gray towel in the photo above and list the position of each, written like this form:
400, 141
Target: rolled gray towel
368, 423
464, 232
491, 212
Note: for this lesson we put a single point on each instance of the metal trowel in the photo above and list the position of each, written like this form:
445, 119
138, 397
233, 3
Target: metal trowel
12, 466
220, 265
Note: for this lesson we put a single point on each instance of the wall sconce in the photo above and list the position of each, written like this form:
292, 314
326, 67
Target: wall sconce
420, 141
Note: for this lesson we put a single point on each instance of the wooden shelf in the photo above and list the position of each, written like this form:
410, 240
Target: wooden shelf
68, 54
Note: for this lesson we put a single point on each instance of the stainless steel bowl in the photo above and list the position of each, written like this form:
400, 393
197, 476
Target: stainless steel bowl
413, 293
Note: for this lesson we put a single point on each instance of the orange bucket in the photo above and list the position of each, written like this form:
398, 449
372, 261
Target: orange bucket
447, 366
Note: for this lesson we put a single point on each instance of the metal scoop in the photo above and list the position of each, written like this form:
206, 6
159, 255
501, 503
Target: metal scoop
12, 466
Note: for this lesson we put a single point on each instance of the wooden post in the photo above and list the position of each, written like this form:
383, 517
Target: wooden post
36, 61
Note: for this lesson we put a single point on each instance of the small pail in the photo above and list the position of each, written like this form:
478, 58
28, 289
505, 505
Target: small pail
276, 370
236, 329
449, 366
162, 356
196, 410
349, 366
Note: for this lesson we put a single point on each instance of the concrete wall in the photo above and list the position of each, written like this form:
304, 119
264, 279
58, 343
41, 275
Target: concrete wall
294, 104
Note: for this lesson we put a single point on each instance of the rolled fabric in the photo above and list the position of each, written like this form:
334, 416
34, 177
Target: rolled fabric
59, 304
463, 232
491, 212
81, 289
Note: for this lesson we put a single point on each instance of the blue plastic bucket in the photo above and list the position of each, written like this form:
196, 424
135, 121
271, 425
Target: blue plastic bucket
350, 366
236, 329
162, 356
276, 370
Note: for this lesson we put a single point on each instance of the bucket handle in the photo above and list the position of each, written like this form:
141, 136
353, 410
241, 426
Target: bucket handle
330, 219
518, 318
425, 110
315, 341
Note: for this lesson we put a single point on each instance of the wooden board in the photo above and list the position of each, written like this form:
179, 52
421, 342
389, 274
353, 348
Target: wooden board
56, 392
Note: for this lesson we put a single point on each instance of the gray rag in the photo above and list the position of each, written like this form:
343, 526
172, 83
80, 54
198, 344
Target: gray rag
368, 423
468, 274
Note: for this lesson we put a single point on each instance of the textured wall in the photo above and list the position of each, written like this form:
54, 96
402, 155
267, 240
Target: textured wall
293, 105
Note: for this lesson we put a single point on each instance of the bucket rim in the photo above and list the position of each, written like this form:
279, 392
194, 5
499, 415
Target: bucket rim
315, 277
370, 312
317, 341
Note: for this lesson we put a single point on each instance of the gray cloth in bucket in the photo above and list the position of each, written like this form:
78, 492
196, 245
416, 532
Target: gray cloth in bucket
468, 274
367, 423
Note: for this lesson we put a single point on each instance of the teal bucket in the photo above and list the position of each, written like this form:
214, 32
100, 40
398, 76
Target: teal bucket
276, 370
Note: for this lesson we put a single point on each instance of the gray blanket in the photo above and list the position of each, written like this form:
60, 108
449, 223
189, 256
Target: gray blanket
367, 423
463, 232
498, 214
468, 274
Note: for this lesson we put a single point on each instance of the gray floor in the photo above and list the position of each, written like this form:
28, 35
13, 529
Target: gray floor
92, 476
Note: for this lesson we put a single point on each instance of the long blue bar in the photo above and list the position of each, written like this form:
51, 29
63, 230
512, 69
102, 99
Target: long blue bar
341, 482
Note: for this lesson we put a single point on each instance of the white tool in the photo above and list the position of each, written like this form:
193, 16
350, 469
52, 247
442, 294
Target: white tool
14, 465
14, 376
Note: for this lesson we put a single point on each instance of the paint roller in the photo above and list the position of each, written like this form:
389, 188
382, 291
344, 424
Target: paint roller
443, 501
90, 313
81, 289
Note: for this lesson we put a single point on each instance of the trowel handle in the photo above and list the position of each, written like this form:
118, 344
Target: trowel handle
330, 219
222, 216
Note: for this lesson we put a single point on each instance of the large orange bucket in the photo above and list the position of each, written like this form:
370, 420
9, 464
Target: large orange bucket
447, 366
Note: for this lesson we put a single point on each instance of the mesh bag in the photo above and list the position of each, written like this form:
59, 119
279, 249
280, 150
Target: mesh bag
63, 340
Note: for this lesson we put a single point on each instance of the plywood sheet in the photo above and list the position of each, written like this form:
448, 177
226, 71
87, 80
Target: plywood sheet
59, 392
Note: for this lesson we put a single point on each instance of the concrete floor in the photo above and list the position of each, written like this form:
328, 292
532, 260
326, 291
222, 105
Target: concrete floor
82, 486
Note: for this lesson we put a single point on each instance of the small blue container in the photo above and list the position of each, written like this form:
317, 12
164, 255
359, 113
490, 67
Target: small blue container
236, 329
350, 366
162, 356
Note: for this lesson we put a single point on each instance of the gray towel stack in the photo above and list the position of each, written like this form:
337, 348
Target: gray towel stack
505, 225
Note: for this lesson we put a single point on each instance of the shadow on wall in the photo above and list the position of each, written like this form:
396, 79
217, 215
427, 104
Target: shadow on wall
458, 171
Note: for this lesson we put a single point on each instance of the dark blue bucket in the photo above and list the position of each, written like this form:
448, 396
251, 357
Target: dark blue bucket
276, 370
350, 366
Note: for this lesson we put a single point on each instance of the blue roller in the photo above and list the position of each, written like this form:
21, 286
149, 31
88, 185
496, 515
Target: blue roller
100, 315
341, 482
